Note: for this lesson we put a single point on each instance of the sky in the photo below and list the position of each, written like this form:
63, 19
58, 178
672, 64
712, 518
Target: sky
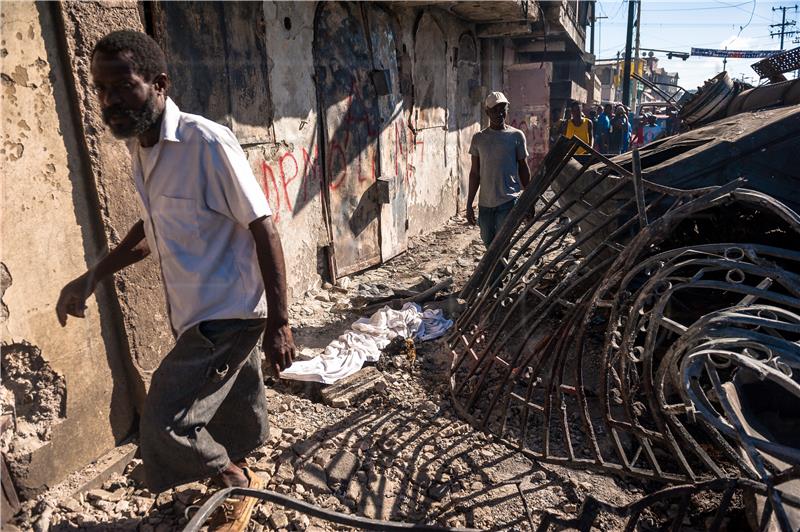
682, 24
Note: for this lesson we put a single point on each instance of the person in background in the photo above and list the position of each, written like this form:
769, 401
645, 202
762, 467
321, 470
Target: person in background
673, 123
593, 118
619, 136
603, 129
626, 139
579, 126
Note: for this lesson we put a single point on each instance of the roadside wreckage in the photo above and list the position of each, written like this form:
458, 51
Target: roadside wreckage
646, 322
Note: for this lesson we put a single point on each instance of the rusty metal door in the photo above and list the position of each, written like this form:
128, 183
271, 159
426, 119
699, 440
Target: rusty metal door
468, 109
350, 127
393, 141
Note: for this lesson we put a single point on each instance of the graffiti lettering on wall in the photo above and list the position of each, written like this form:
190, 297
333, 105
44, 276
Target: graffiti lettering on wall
278, 174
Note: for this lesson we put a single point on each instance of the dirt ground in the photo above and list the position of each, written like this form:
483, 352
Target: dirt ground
402, 453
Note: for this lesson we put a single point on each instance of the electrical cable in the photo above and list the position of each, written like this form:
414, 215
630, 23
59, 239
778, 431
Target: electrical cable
355, 521
622, 3
736, 6
741, 28
682, 9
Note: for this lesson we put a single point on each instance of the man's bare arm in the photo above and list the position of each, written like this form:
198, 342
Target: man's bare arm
132, 249
524, 172
278, 341
474, 182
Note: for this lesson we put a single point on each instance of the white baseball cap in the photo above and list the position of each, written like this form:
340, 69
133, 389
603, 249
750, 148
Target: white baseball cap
494, 98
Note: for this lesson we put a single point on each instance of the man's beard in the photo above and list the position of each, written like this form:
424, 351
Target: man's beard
139, 120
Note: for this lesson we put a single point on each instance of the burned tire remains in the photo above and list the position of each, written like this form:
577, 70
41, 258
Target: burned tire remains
645, 331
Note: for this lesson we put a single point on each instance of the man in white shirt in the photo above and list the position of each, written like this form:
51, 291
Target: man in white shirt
206, 221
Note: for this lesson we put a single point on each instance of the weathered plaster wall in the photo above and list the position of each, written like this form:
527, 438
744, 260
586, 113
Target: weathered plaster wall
290, 169
437, 167
138, 288
69, 382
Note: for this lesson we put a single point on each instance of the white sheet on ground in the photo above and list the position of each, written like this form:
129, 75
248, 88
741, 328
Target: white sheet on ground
365, 340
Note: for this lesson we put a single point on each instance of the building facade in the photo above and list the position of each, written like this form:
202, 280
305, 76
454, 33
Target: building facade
356, 119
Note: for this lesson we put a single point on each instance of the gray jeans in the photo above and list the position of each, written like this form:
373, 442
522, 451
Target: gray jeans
206, 406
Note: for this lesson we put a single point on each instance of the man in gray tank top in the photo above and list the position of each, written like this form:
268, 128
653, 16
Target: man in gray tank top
499, 169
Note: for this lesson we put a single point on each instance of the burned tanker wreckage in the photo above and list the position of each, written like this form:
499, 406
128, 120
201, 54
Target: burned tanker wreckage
645, 321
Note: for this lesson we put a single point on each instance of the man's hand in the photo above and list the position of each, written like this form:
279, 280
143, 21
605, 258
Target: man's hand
279, 347
470, 215
72, 300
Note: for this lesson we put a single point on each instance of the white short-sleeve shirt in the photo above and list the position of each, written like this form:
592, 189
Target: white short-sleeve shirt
198, 196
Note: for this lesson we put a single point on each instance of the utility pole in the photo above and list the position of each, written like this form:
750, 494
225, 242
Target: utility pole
626, 76
591, 46
783, 25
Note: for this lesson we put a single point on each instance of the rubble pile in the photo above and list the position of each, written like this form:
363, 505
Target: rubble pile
387, 446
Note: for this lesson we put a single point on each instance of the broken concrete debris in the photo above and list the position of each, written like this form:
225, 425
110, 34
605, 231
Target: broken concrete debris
350, 390
33, 400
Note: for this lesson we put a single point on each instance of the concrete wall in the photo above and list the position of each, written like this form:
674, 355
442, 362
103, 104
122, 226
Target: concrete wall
67, 385
290, 168
437, 168
138, 290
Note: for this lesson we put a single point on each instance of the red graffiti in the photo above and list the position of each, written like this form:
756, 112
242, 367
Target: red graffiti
332, 150
361, 114
276, 178
266, 176
403, 138
534, 126
286, 180
309, 165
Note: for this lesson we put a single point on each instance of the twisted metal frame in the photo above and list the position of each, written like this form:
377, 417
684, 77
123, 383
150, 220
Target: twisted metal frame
604, 333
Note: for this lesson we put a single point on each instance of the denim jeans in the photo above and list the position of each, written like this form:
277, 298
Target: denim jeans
491, 219
206, 406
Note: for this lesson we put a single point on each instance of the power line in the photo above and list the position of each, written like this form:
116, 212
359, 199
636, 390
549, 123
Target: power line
738, 6
741, 28
734, 24
619, 7
682, 9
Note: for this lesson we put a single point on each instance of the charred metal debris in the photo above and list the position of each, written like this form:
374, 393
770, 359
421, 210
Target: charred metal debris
645, 331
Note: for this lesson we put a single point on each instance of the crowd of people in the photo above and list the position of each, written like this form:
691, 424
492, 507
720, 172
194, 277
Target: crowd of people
611, 129
606, 128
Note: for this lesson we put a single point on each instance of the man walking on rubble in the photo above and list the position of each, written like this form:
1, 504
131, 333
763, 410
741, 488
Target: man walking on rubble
499, 169
206, 221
